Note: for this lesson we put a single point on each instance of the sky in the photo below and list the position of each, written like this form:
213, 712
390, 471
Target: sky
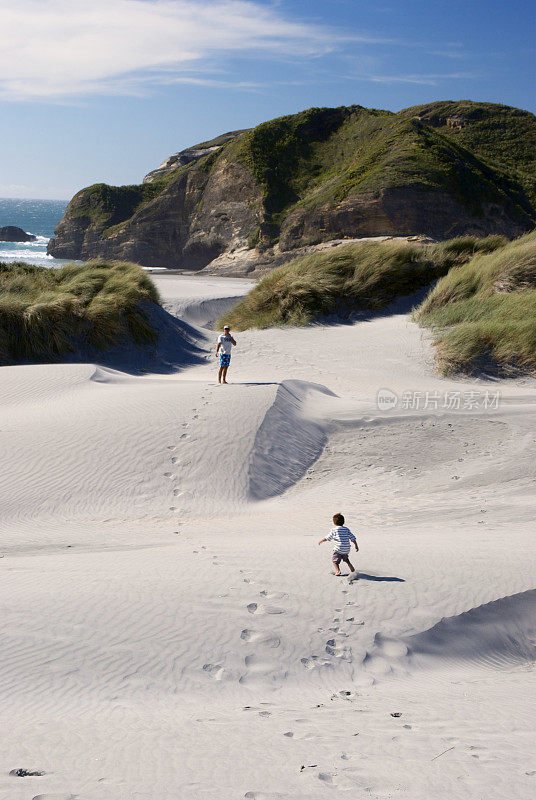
105, 90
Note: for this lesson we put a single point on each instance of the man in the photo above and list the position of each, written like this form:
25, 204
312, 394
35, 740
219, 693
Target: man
224, 347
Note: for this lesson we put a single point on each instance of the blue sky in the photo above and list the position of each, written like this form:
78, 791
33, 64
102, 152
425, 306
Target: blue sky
106, 90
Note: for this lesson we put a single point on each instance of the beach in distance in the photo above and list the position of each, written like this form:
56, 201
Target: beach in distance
171, 629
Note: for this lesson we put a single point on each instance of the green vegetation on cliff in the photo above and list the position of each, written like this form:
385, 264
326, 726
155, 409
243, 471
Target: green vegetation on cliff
498, 135
47, 313
106, 206
292, 156
478, 153
484, 312
349, 278
322, 156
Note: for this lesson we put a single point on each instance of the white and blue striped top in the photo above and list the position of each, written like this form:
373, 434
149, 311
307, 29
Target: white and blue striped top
341, 536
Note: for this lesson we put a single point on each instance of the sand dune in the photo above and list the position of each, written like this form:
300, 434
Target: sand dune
170, 627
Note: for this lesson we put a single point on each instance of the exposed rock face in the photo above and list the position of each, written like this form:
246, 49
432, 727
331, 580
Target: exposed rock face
406, 211
190, 223
240, 203
188, 156
10, 233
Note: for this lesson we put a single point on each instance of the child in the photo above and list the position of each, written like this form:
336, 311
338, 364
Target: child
225, 344
341, 537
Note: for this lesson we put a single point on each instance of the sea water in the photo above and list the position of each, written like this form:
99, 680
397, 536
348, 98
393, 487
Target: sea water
39, 217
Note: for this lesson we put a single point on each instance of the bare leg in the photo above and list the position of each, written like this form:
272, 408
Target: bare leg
336, 567
219, 374
347, 560
224, 375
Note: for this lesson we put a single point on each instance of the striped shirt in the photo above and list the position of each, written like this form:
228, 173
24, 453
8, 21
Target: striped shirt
341, 537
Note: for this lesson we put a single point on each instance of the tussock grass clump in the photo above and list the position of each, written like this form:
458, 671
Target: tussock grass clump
47, 313
351, 277
485, 311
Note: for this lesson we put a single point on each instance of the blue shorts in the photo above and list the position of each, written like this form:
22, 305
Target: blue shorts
225, 359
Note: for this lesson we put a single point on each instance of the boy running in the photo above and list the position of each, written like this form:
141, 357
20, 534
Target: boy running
224, 347
341, 536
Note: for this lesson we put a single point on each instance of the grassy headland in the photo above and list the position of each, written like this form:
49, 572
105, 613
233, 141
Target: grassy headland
322, 156
47, 313
479, 154
483, 313
350, 277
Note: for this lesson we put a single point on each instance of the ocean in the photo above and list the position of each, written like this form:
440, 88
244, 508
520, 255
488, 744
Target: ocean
39, 217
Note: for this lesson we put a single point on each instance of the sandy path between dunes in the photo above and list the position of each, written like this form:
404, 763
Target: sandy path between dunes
170, 629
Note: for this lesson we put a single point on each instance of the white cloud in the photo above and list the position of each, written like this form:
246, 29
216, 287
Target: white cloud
54, 49
424, 80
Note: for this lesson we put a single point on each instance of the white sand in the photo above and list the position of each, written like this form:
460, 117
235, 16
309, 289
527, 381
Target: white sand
170, 629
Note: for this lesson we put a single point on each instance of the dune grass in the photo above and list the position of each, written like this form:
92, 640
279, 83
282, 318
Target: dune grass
47, 313
350, 277
483, 313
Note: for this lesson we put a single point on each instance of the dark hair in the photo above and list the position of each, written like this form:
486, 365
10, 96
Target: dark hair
338, 519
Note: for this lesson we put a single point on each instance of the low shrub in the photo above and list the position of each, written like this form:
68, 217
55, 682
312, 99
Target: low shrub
367, 275
47, 313
483, 313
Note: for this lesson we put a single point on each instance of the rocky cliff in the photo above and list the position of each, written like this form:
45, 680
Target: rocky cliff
249, 198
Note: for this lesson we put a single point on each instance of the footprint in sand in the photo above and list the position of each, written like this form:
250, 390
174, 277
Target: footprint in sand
215, 671
258, 669
55, 797
333, 648
259, 638
315, 662
274, 595
168, 475
171, 447
175, 460
177, 492
185, 435
253, 608
347, 781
